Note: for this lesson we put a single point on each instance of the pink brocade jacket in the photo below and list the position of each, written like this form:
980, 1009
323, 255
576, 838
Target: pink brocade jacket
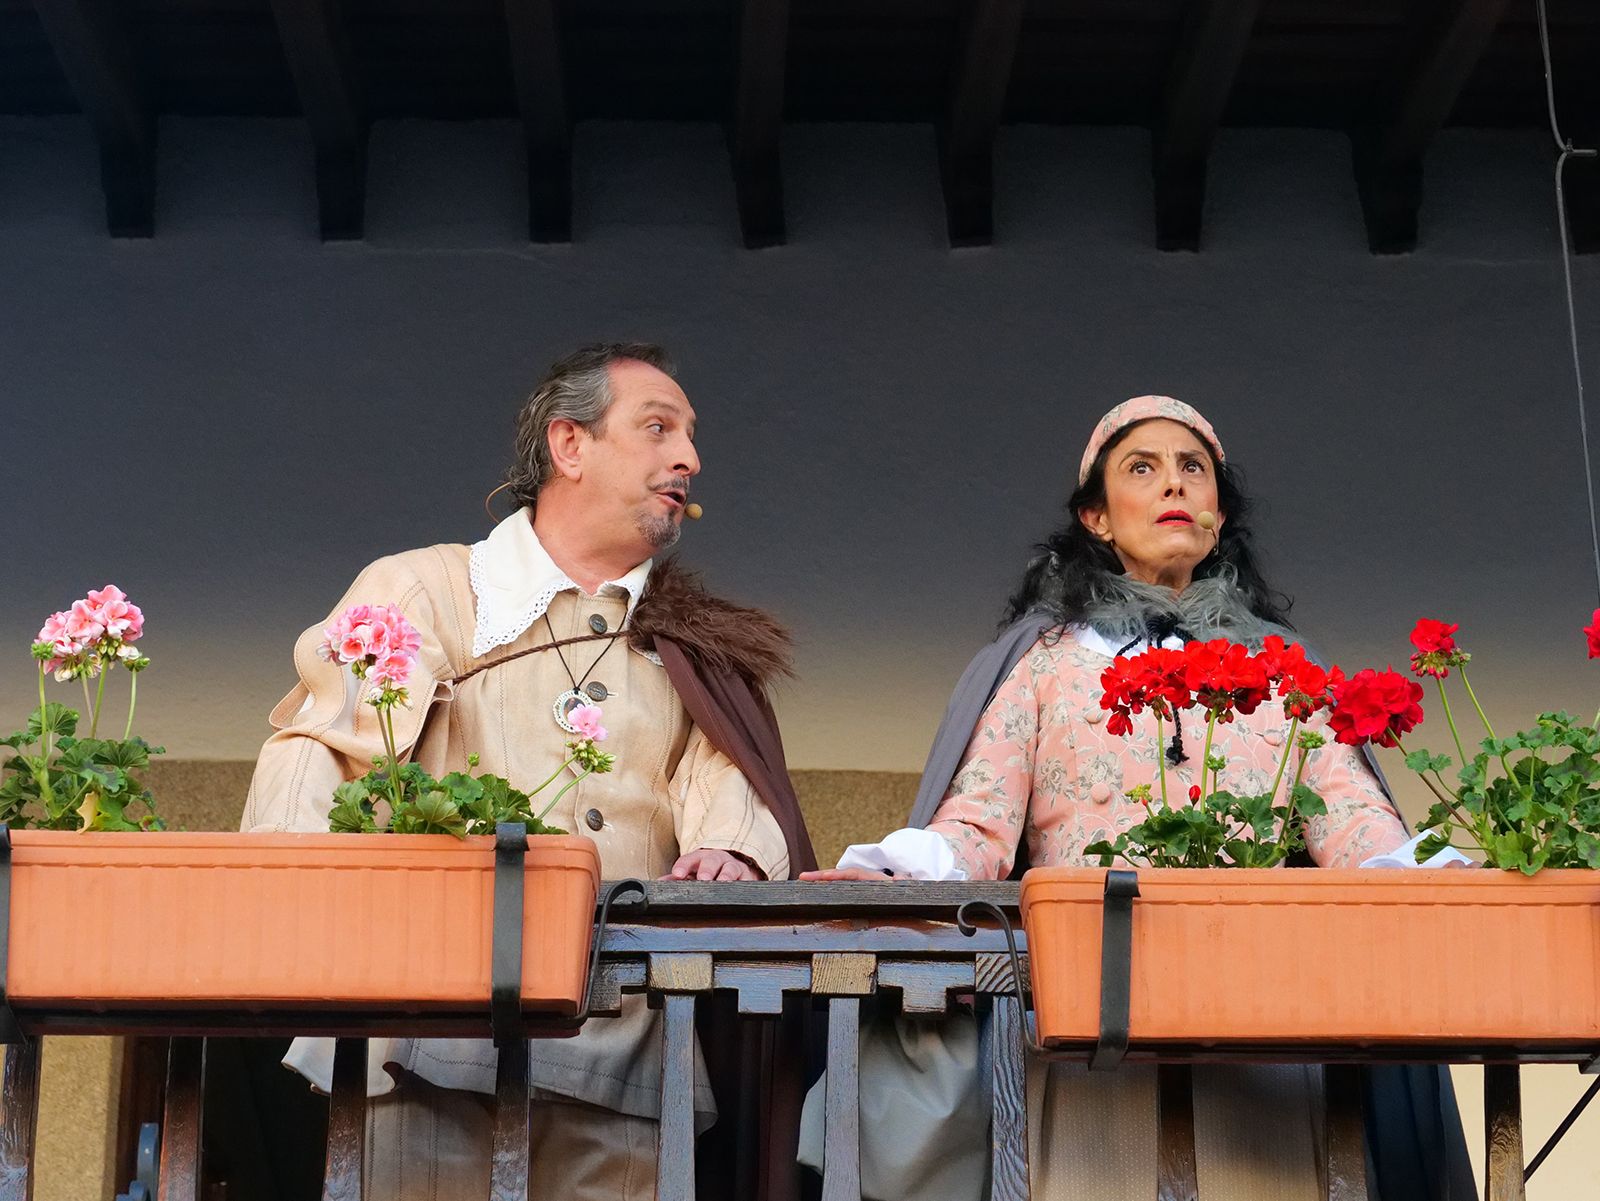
1041, 765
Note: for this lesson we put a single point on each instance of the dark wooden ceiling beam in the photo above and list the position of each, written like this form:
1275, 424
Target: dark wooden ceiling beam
758, 121
316, 45
1211, 47
1388, 153
984, 55
534, 29
94, 46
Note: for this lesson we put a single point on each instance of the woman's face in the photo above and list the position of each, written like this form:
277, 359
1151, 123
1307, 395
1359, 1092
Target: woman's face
1159, 478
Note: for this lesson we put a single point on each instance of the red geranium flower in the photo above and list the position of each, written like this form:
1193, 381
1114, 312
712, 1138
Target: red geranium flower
1153, 679
1375, 706
1279, 658
1593, 632
1164, 681
1225, 677
1309, 689
1433, 635
1436, 647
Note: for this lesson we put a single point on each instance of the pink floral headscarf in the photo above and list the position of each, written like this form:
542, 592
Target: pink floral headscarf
1144, 408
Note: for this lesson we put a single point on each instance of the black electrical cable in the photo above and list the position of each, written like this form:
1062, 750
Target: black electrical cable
1565, 150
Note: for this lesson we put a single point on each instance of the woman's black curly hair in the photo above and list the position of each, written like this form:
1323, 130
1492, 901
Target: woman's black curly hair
1059, 578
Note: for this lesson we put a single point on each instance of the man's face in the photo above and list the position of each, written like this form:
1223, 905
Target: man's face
636, 472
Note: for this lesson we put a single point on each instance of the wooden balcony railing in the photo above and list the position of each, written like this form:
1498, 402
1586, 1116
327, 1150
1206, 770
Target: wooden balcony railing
766, 952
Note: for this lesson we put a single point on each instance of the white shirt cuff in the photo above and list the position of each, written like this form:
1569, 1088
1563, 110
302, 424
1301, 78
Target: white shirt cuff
913, 854
1406, 856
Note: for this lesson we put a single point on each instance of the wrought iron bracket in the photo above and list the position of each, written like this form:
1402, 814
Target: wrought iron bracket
505, 957
617, 889
1116, 969
506, 949
967, 927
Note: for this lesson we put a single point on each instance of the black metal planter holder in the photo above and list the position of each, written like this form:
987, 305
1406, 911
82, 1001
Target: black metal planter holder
509, 1150
1116, 968
505, 957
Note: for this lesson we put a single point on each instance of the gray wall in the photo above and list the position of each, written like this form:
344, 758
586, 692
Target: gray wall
230, 419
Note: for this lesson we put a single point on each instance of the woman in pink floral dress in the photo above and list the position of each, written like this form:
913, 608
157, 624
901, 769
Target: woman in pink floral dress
1155, 551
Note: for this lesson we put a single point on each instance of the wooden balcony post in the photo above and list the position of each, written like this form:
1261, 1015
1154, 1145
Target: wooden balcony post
1346, 1133
347, 1122
680, 977
509, 1158
181, 1122
1502, 1121
1008, 1169
20, 1120
1177, 1174
841, 1177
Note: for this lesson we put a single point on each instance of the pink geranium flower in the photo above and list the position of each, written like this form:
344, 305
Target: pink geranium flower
65, 650
83, 622
120, 619
375, 641
54, 631
392, 670
403, 637
586, 720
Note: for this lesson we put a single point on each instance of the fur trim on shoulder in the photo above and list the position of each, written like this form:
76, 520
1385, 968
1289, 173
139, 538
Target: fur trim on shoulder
714, 633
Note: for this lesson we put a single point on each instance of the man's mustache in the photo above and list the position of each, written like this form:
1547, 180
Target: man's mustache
678, 483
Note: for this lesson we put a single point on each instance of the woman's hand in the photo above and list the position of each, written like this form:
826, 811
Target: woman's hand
845, 873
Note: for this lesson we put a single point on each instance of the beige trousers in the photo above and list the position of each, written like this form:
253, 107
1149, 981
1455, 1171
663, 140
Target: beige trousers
1258, 1132
432, 1144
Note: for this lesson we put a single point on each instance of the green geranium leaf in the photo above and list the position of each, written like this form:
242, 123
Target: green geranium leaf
1308, 803
1426, 761
130, 754
436, 812
463, 789
352, 810
54, 717
1105, 850
1432, 845
1586, 849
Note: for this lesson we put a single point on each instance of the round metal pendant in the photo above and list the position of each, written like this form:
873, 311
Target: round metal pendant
565, 704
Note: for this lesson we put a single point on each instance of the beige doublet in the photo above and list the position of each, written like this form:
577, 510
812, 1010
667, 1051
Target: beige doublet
671, 790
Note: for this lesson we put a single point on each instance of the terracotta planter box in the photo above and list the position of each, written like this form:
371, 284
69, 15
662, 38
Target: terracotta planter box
331, 922
1232, 959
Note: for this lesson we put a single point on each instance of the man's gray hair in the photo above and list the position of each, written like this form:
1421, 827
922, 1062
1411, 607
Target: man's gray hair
578, 389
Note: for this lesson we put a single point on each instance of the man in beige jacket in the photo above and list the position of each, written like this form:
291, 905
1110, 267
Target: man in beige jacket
605, 457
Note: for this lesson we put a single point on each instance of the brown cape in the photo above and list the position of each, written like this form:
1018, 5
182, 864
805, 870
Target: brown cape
721, 659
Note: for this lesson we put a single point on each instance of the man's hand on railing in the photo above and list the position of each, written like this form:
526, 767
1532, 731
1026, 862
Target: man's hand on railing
713, 865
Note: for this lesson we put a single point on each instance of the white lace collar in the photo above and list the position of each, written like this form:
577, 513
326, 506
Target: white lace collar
1092, 639
514, 580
